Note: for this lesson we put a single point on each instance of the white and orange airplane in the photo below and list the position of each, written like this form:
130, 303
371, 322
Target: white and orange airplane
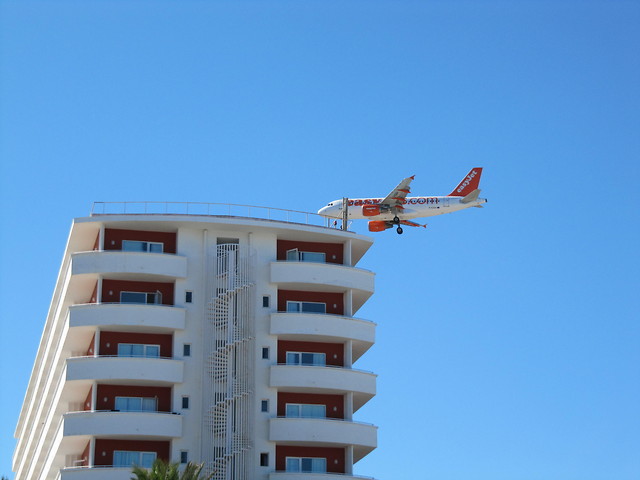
397, 209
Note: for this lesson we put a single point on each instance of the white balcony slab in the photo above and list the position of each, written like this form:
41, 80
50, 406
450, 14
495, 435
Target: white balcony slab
95, 473
129, 264
324, 433
127, 316
324, 328
126, 369
329, 380
130, 424
324, 277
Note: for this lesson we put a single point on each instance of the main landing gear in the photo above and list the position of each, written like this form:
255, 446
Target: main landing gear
396, 221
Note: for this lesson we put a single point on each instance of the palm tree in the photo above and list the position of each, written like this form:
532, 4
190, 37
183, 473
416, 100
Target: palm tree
161, 470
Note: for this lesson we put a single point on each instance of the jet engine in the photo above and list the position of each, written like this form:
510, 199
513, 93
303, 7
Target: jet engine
370, 210
378, 225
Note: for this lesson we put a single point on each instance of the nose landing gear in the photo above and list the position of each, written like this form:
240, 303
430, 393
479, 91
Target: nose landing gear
399, 230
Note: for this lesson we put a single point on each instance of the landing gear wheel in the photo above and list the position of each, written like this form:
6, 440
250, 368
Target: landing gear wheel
396, 220
399, 230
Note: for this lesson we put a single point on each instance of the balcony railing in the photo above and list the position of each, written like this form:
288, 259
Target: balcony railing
341, 367
326, 418
115, 410
211, 209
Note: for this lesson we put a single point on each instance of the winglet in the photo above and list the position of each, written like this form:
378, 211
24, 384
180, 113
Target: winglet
468, 183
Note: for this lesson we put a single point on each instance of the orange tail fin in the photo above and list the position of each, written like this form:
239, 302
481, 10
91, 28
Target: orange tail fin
468, 183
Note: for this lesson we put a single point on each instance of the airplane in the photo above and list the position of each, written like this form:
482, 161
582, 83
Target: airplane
397, 209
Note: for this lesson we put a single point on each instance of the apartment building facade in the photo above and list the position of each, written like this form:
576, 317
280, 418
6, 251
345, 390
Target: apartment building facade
217, 339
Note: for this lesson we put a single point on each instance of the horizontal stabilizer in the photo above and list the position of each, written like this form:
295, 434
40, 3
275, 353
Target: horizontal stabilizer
473, 196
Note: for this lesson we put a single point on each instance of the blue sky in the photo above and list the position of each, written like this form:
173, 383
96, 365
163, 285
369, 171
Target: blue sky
509, 339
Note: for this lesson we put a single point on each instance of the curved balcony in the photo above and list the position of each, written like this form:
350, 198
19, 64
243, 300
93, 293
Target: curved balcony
123, 424
129, 265
309, 327
134, 370
127, 316
323, 432
324, 277
95, 473
307, 379
314, 476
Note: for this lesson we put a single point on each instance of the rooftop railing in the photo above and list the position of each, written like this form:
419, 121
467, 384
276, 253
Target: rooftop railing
212, 209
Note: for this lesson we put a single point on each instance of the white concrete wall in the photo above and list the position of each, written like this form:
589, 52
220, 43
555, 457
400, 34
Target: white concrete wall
138, 424
161, 264
125, 368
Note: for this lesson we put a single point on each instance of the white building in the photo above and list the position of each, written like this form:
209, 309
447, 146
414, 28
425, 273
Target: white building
218, 339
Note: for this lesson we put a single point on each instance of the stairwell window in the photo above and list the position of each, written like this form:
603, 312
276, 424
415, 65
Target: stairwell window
295, 255
138, 350
153, 298
306, 307
306, 358
123, 458
303, 410
136, 404
137, 246
306, 464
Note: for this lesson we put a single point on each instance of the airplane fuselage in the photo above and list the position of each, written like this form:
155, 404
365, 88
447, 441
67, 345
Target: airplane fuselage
413, 207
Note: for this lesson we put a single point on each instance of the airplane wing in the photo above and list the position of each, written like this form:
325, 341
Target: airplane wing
395, 199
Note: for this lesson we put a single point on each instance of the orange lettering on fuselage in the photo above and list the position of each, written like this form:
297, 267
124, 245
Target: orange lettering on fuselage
411, 201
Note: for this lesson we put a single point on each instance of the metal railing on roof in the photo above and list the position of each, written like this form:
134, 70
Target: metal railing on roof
211, 209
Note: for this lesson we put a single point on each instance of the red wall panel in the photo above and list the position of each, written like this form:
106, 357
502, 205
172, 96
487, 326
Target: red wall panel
85, 456
91, 349
334, 403
113, 238
117, 286
114, 338
333, 351
335, 456
105, 448
94, 295
86, 406
333, 251
106, 397
330, 298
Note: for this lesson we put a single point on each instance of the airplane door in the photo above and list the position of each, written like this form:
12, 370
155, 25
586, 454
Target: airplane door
445, 202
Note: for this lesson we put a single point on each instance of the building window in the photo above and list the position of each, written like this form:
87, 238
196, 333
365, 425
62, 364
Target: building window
306, 307
264, 459
138, 350
188, 297
184, 456
186, 350
150, 298
264, 406
306, 464
265, 301
265, 353
295, 255
185, 401
136, 404
136, 246
129, 459
303, 410
306, 358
